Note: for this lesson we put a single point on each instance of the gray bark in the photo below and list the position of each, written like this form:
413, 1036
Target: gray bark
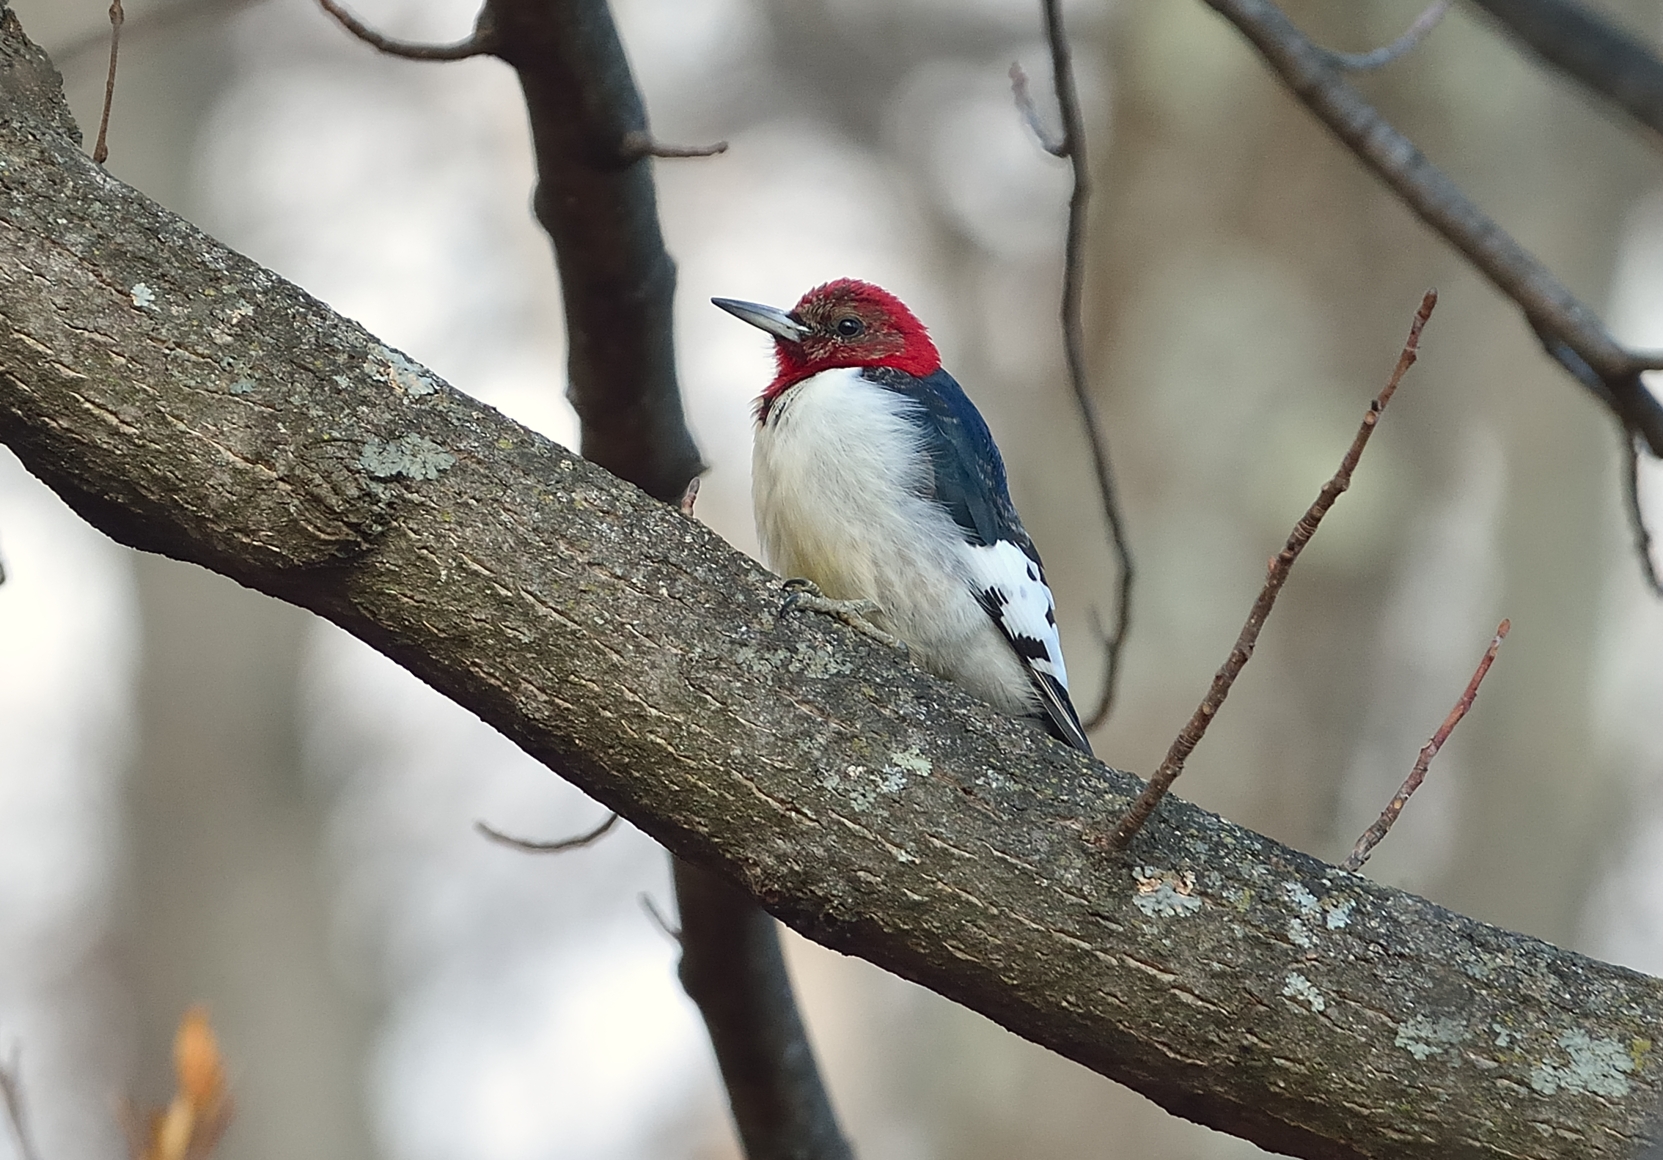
597, 201
190, 403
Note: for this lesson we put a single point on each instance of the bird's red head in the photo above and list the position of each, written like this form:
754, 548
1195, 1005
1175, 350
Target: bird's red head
846, 323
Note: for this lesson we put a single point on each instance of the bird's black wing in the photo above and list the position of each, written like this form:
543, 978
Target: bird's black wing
969, 484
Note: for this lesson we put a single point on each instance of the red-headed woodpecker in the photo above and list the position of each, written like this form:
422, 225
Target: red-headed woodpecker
875, 478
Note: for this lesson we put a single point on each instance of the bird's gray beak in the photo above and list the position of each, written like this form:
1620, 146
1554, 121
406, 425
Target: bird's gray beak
775, 321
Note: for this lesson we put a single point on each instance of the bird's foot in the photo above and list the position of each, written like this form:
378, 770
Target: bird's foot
805, 596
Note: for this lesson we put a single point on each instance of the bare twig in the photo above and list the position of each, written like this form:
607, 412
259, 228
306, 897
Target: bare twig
657, 916
1383, 824
11, 1089
1072, 145
1051, 142
1637, 514
101, 151
481, 43
1565, 325
1280, 565
639, 144
1402, 46
152, 18
555, 847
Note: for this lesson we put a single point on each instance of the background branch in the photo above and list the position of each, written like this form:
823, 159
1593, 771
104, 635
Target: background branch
1567, 327
1386, 54
1637, 513
1589, 48
477, 44
878, 811
736, 974
595, 198
1072, 145
11, 1091
576, 842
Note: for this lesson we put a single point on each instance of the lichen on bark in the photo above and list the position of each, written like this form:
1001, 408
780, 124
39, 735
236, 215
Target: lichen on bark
225, 417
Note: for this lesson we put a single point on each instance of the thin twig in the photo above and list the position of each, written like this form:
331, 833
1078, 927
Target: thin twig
1383, 824
1051, 142
149, 19
1550, 308
1280, 565
1637, 514
1072, 145
101, 151
554, 847
658, 918
639, 144
11, 1089
1402, 46
481, 43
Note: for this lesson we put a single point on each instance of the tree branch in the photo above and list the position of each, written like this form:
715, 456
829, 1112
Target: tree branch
1571, 333
11, 1093
101, 150
1281, 567
1402, 46
1637, 513
557, 846
596, 200
479, 43
222, 416
1584, 45
1376, 833
1072, 146
736, 974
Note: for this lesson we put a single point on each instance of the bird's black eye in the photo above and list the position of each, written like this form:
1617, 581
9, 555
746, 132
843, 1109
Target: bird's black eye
850, 327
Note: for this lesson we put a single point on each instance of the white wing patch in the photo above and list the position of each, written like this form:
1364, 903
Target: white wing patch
1012, 589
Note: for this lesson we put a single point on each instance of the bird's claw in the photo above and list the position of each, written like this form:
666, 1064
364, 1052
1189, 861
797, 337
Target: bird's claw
805, 596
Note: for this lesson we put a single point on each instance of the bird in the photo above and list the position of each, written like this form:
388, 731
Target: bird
876, 482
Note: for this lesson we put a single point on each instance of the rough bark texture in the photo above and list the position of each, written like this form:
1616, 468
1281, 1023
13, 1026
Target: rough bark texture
596, 200
188, 402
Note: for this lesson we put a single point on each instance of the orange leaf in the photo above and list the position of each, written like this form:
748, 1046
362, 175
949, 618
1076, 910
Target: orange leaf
197, 1061
190, 1126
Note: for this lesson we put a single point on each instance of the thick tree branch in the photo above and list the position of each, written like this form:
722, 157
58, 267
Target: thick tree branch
187, 401
1571, 333
1590, 49
736, 974
595, 198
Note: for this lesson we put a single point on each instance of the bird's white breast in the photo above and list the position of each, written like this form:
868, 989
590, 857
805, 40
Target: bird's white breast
839, 479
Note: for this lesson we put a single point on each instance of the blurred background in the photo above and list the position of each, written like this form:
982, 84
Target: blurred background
209, 796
